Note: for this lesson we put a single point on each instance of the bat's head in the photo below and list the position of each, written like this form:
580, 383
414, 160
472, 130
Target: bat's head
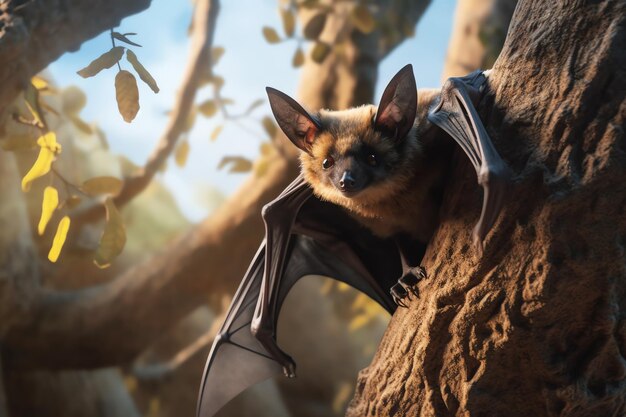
358, 156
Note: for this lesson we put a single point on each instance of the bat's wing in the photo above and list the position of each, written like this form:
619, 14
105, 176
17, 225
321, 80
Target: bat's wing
311, 238
455, 113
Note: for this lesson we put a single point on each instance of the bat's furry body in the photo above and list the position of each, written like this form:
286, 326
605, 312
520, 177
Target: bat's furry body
403, 199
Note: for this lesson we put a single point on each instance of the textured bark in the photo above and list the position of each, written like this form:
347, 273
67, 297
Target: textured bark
113, 323
35, 33
536, 325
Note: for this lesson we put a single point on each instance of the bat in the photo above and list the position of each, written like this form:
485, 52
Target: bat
361, 212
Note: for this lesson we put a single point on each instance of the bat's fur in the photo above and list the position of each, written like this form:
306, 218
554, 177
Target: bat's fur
399, 195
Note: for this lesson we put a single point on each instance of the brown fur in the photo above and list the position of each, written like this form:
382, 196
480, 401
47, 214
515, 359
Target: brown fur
402, 202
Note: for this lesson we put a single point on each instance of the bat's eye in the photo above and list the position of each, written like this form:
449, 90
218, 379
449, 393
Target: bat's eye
328, 162
371, 159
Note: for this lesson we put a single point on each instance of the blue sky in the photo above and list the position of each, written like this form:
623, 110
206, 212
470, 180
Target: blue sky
248, 65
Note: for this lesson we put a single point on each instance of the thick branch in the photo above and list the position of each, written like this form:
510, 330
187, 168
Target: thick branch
35, 33
204, 22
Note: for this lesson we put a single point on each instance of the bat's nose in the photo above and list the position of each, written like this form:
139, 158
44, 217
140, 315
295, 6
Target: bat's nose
347, 181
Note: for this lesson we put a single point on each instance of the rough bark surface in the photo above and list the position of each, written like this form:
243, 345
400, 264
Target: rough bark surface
536, 326
34, 33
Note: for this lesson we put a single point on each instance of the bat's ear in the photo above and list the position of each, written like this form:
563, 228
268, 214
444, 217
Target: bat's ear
398, 106
300, 127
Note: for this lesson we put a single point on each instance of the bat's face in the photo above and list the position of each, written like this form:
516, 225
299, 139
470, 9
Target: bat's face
350, 162
358, 156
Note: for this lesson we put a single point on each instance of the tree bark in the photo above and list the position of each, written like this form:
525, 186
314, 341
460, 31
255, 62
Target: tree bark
536, 325
35, 33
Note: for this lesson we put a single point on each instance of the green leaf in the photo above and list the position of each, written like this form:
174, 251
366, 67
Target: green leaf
315, 26
237, 164
289, 22
320, 52
106, 60
270, 35
113, 238
122, 38
142, 71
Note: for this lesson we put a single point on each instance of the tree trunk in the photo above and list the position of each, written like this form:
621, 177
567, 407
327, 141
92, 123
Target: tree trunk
536, 325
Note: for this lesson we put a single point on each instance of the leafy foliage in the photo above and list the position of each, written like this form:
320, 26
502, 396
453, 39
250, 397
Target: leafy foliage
126, 91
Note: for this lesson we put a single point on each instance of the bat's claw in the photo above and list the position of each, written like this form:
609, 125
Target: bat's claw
289, 370
407, 285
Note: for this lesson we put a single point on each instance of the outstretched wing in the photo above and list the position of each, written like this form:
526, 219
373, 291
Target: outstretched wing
324, 241
455, 113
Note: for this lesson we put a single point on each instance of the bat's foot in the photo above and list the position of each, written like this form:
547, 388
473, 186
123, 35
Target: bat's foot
289, 370
407, 285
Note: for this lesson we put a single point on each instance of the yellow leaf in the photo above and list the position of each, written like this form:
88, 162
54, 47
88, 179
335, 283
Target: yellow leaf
208, 108
39, 83
289, 22
216, 54
102, 185
320, 52
298, 58
59, 239
49, 204
182, 152
74, 99
314, 27
49, 141
216, 132
270, 35
113, 238
127, 95
237, 164
106, 60
49, 148
362, 19
191, 119
142, 71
